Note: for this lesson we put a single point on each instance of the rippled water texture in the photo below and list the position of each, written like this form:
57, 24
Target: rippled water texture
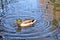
26, 9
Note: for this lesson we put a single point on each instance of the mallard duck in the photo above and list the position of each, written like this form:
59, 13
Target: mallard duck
25, 23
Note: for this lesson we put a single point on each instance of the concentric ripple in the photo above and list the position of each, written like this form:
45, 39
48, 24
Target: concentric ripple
40, 29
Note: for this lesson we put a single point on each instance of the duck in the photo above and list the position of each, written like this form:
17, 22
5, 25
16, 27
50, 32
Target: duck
25, 23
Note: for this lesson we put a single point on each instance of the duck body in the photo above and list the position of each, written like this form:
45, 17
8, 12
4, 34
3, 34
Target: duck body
26, 23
